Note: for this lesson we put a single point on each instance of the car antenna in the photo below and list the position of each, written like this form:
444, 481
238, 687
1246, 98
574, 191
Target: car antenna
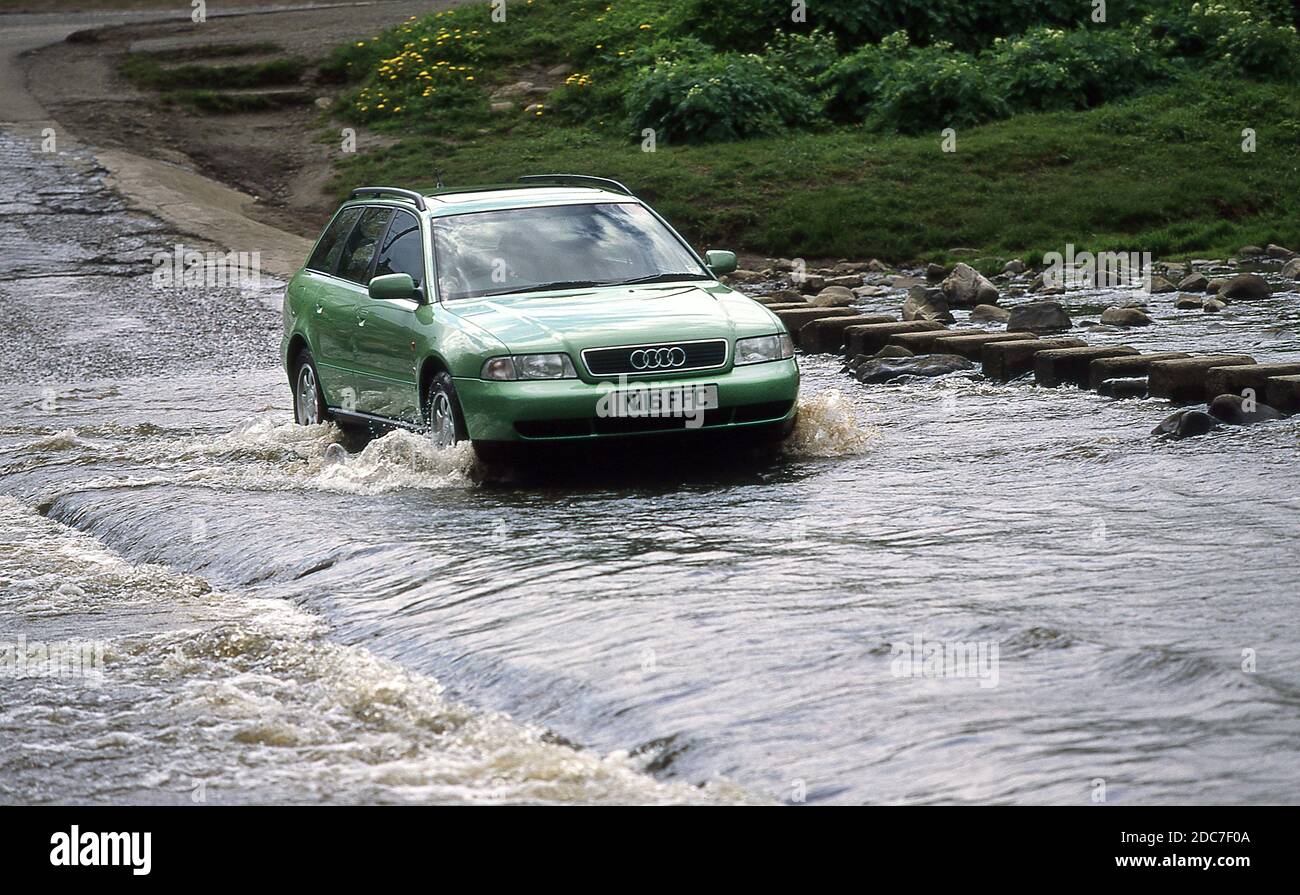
440, 185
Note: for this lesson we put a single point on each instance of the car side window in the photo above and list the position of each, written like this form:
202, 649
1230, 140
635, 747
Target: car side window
403, 249
362, 244
330, 246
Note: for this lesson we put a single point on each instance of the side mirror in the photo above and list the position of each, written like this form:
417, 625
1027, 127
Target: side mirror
720, 262
394, 285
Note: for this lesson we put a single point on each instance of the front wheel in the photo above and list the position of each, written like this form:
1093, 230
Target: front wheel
442, 415
308, 399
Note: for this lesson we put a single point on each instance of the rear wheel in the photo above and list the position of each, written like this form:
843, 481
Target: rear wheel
308, 399
442, 416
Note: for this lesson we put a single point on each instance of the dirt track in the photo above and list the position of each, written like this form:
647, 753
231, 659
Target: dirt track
282, 157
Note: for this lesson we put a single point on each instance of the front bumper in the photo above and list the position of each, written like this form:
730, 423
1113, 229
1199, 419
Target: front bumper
567, 409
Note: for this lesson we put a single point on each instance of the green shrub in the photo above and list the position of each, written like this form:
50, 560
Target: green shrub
932, 88
850, 85
1046, 68
726, 97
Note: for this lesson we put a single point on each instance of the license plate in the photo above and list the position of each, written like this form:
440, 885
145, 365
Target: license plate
680, 400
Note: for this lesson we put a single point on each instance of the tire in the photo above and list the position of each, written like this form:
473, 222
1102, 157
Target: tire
309, 405
444, 421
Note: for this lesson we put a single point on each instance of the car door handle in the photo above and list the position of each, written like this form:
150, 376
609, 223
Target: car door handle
362, 316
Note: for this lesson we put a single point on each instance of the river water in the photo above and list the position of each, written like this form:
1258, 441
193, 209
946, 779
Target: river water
286, 616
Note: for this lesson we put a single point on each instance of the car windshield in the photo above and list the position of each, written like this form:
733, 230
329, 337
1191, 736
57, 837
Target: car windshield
556, 247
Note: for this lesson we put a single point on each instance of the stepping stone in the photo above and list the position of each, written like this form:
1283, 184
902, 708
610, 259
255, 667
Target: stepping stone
870, 338
1283, 393
1183, 381
1005, 361
1126, 366
1235, 380
796, 318
1069, 366
970, 346
923, 342
826, 334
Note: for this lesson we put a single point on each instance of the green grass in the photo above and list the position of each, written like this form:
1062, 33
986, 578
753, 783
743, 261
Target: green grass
1162, 173
147, 72
212, 102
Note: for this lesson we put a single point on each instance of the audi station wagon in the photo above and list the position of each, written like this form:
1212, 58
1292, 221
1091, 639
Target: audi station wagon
559, 309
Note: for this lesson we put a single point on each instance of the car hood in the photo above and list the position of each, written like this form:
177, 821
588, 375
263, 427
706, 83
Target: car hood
615, 315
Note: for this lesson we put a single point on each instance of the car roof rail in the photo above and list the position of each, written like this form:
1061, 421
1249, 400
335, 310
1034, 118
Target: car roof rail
381, 191
577, 179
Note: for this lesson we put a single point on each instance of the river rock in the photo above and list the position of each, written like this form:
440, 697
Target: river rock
832, 297
811, 284
935, 273
1186, 302
989, 314
1250, 251
1215, 285
1291, 270
893, 351
744, 277
1159, 286
1185, 424
1124, 387
848, 281
1038, 317
1014, 266
926, 304
967, 287
1116, 316
1213, 305
885, 369
1246, 286
1234, 410
1277, 251
1194, 282
871, 291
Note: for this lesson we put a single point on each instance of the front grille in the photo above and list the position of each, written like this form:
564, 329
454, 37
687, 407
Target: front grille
661, 358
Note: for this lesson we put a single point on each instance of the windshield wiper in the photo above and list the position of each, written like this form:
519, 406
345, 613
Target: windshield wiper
662, 278
542, 287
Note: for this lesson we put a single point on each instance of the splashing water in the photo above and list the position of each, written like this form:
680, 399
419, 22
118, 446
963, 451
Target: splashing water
828, 426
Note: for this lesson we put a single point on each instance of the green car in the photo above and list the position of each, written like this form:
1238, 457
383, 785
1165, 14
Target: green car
559, 309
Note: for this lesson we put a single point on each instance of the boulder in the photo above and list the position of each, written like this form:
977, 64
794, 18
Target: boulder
903, 282
1159, 286
518, 88
926, 304
1187, 302
1038, 317
878, 266
849, 281
1291, 270
832, 297
1215, 285
1238, 411
935, 273
1283, 392
871, 291
1194, 282
1125, 317
1005, 361
989, 314
1014, 266
967, 287
893, 351
1250, 251
1246, 286
1184, 380
1213, 305
870, 338
1277, 251
885, 369
1069, 366
1185, 424
811, 283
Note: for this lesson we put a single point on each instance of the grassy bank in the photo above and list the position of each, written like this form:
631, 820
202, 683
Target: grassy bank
855, 167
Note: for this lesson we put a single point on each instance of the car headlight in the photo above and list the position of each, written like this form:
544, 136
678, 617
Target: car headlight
529, 366
758, 349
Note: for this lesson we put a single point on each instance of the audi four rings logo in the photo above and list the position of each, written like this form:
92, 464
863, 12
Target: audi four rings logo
657, 358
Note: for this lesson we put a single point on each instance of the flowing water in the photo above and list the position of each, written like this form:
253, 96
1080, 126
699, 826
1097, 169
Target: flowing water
286, 615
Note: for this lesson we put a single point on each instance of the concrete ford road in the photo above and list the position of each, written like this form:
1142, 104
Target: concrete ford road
561, 309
